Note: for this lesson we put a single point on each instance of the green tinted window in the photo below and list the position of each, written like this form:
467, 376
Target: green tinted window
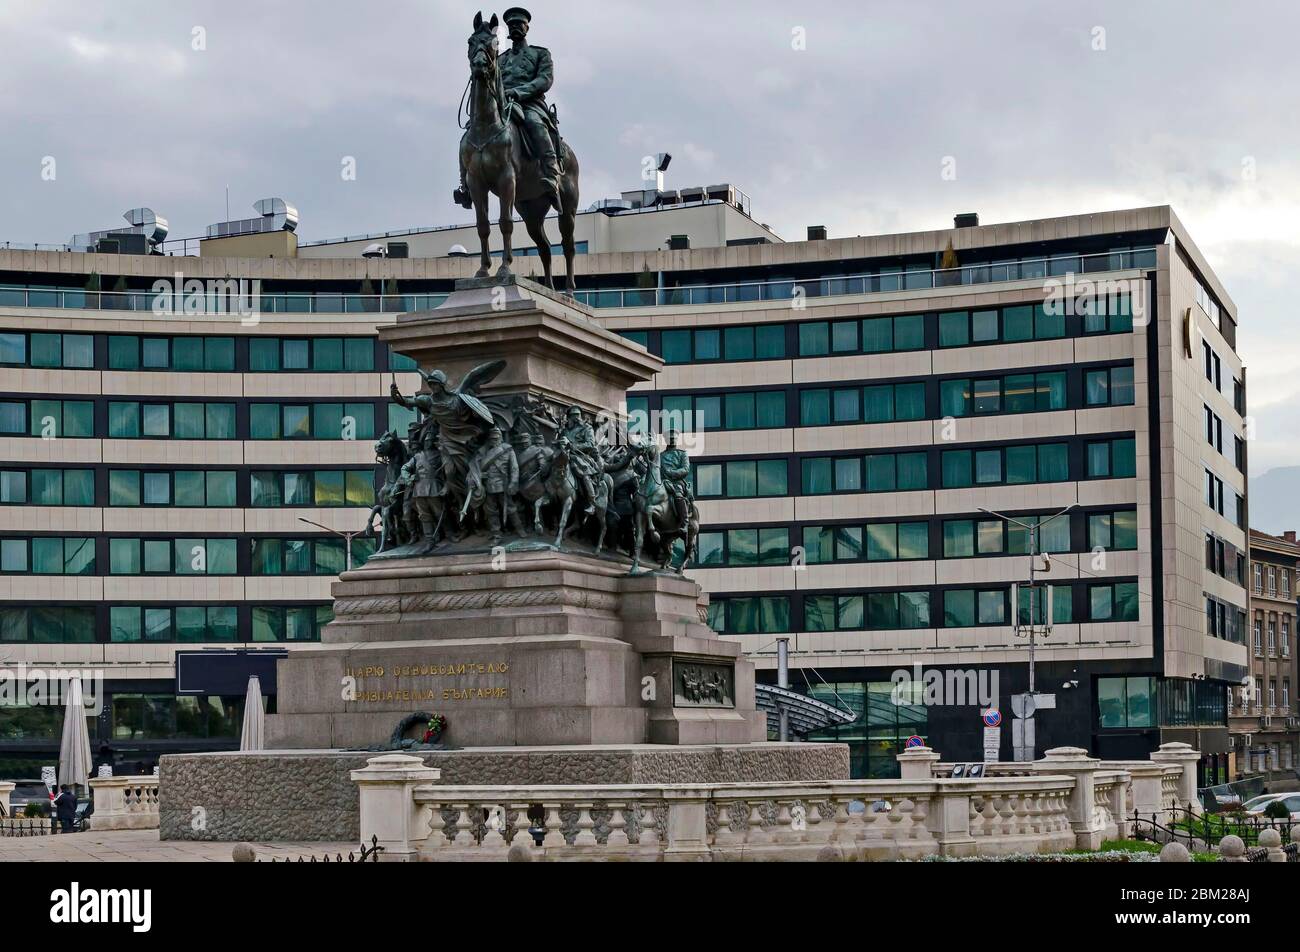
78, 487
958, 608
954, 329
814, 339
817, 476
676, 345
909, 332
769, 341
738, 343
814, 407
877, 335
1018, 323
264, 354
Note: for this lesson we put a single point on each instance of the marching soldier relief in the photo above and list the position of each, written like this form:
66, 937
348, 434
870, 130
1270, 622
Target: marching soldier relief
471, 470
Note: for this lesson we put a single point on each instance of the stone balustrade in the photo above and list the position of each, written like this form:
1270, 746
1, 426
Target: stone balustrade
850, 820
1066, 800
125, 803
1153, 786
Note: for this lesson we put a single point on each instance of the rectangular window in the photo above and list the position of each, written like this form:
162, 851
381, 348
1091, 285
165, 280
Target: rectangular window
877, 335
814, 339
676, 346
769, 341
817, 476
1113, 602
954, 329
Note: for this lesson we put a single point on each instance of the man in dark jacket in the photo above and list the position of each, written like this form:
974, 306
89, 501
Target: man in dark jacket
65, 808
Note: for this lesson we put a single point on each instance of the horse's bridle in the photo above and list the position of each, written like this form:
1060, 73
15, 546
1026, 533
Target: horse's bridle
504, 125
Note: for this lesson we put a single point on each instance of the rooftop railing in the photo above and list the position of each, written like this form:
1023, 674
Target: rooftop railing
328, 302
171, 305
910, 279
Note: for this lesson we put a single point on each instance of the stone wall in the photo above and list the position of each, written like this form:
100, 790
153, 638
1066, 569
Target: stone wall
309, 795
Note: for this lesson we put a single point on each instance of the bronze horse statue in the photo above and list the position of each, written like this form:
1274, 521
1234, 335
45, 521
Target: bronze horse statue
391, 451
560, 486
492, 153
656, 516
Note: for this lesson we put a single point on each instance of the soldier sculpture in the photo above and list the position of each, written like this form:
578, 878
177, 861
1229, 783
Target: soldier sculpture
473, 465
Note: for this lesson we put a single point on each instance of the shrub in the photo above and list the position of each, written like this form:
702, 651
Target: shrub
1277, 811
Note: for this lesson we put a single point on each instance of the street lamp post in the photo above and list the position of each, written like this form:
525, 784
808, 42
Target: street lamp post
1033, 530
347, 539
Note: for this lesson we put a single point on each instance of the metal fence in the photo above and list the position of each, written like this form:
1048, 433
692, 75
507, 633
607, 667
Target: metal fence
25, 826
1206, 830
365, 854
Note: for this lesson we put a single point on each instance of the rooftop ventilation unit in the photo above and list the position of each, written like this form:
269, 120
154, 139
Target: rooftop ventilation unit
816, 232
966, 220
277, 215
679, 242
143, 222
611, 206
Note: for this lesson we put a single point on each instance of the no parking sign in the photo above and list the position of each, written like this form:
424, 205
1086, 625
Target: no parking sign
992, 717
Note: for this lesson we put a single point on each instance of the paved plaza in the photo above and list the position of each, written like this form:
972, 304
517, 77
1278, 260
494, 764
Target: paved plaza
143, 846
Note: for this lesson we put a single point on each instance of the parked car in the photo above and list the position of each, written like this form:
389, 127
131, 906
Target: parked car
29, 791
1259, 802
1291, 800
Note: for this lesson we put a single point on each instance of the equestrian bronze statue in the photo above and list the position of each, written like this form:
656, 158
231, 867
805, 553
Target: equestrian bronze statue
512, 146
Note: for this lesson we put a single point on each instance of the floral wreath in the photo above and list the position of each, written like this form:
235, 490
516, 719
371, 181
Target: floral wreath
437, 724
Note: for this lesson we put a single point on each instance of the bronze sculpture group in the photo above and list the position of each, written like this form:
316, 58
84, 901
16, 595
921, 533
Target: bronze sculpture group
470, 469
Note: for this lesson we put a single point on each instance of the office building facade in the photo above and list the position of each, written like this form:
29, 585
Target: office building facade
853, 407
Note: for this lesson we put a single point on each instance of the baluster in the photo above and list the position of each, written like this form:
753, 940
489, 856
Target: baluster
617, 838
464, 827
757, 833
649, 828
823, 831
725, 836
842, 833
784, 831
920, 828
494, 838
437, 838
585, 835
554, 833
522, 837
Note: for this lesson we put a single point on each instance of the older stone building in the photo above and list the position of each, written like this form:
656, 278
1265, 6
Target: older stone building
1263, 714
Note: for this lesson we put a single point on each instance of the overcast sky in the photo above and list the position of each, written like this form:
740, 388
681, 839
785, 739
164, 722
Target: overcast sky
840, 114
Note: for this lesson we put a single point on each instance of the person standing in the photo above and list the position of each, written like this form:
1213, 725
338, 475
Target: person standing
65, 808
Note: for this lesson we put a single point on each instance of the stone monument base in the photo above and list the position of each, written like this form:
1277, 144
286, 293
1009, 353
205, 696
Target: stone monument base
522, 645
309, 795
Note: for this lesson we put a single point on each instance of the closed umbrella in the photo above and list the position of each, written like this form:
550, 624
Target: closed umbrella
74, 747
251, 737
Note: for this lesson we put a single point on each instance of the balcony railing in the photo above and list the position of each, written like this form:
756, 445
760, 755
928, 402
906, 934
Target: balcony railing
326, 302
180, 305
1043, 269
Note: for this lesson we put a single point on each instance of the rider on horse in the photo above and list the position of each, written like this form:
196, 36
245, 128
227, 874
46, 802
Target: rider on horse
526, 75
585, 460
675, 468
